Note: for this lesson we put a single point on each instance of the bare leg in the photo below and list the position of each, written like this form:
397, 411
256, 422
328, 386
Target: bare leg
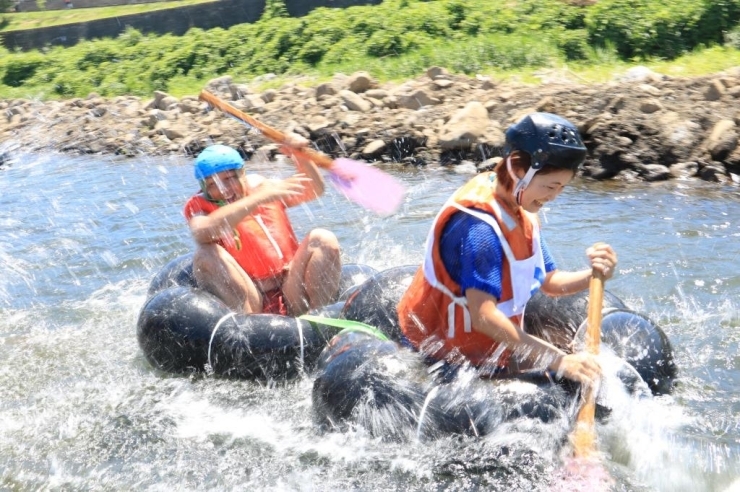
217, 272
313, 278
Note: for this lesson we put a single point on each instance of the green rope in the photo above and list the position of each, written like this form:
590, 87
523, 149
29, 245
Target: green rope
347, 325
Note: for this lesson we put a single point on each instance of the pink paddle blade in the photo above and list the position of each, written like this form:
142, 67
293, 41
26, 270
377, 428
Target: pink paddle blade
367, 186
581, 475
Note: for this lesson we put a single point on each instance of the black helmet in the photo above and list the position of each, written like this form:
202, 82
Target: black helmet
548, 139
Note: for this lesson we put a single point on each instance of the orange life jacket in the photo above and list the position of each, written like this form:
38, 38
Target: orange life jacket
433, 312
263, 243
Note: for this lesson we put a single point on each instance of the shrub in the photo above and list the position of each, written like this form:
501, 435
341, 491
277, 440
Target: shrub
130, 37
646, 28
719, 18
94, 53
732, 38
385, 43
72, 85
349, 49
574, 44
458, 10
18, 69
313, 50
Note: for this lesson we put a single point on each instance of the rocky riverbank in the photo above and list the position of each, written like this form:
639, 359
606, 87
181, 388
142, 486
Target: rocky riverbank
644, 126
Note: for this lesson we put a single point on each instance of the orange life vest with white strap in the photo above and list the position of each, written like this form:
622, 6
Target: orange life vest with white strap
263, 242
433, 312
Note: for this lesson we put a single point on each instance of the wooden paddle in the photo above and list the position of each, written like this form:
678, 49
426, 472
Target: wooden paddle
583, 436
365, 185
584, 470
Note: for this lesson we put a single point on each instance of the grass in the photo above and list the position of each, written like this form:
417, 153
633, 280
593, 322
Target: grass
17, 21
701, 62
705, 61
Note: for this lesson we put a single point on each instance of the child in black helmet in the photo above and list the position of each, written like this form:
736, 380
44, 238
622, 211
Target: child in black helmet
485, 258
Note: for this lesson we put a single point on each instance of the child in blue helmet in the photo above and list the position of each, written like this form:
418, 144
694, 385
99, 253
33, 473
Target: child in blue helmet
247, 253
485, 258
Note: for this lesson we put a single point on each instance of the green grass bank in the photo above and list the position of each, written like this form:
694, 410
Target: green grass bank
48, 18
395, 40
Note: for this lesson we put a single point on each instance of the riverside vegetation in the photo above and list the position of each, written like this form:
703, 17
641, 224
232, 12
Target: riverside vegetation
428, 84
394, 40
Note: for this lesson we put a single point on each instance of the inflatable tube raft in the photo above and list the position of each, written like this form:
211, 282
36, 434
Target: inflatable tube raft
388, 390
361, 378
631, 336
184, 329
375, 301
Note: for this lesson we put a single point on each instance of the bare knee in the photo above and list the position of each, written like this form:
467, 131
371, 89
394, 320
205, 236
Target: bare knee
207, 261
323, 239
217, 272
323, 248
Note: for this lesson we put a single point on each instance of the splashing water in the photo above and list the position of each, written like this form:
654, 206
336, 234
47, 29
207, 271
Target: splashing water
81, 237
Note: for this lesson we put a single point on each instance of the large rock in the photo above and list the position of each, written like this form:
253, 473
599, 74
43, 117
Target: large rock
220, 85
465, 127
354, 101
416, 99
723, 140
360, 82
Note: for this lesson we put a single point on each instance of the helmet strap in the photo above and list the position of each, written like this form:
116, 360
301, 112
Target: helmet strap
521, 184
202, 183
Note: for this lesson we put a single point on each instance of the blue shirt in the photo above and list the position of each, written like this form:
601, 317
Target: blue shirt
472, 254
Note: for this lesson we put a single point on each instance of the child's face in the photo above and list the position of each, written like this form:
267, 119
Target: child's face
544, 188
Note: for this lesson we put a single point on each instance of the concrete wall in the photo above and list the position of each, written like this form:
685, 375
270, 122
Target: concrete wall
31, 6
26, 6
221, 13
299, 8
85, 4
296, 8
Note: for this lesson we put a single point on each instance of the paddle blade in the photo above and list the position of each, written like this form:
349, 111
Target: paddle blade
581, 475
367, 186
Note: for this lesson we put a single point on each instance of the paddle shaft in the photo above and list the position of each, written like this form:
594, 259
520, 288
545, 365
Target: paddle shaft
365, 185
584, 436
321, 160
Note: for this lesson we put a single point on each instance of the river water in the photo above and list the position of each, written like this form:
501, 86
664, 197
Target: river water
81, 409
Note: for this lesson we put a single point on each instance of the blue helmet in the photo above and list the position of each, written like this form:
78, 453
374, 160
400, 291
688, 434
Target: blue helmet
216, 158
548, 139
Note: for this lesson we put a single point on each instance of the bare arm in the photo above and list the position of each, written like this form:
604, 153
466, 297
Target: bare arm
219, 224
488, 320
602, 258
304, 165
559, 283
